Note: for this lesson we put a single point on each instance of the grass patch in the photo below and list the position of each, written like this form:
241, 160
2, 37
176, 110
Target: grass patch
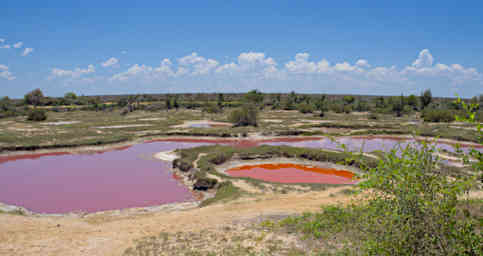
226, 191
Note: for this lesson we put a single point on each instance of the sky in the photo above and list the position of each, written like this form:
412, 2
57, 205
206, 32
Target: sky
335, 47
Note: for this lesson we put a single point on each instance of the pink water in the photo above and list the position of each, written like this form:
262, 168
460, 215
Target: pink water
124, 178
93, 182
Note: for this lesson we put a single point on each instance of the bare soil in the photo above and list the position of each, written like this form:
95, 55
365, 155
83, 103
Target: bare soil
112, 235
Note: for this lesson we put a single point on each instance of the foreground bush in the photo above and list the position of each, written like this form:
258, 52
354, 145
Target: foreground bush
413, 209
245, 116
37, 115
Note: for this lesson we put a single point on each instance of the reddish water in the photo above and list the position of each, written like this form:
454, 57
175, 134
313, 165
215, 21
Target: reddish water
293, 173
92, 182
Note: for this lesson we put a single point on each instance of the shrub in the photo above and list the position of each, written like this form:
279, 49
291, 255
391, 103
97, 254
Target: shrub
305, 108
414, 207
204, 184
438, 115
37, 115
220, 158
347, 109
182, 165
212, 108
245, 116
337, 107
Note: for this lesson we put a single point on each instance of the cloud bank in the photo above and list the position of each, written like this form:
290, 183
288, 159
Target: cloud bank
257, 70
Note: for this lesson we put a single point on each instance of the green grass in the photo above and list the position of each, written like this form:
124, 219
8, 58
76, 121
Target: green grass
226, 191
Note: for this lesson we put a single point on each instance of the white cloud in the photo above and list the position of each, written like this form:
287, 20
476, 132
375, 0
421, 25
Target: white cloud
110, 62
425, 59
257, 70
343, 67
363, 63
18, 45
27, 51
7, 46
302, 65
165, 68
198, 64
251, 64
5, 73
76, 73
134, 70
2, 40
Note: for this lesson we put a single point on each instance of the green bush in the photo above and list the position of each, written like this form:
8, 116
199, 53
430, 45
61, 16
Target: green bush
347, 109
438, 115
37, 115
305, 108
212, 108
412, 209
245, 116
337, 107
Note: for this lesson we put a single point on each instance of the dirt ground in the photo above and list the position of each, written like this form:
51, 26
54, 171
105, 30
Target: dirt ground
112, 235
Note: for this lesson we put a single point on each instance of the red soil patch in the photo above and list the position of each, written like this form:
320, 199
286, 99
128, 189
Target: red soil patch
293, 173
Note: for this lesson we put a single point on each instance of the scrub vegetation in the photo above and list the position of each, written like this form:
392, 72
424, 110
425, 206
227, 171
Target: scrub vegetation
410, 207
75, 120
408, 203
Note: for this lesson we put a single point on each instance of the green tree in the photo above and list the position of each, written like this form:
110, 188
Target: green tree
168, 102
426, 98
412, 101
175, 102
348, 99
254, 96
247, 115
34, 97
70, 96
220, 100
379, 102
290, 101
321, 105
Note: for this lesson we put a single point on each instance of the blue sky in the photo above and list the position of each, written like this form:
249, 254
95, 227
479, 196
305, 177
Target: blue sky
359, 47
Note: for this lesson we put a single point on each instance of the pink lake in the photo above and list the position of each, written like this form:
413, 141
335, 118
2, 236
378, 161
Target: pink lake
117, 179
127, 177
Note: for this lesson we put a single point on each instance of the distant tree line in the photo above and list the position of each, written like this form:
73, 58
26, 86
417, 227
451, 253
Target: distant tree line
431, 109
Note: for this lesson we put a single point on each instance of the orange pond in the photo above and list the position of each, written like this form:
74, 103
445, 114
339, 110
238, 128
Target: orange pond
293, 173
